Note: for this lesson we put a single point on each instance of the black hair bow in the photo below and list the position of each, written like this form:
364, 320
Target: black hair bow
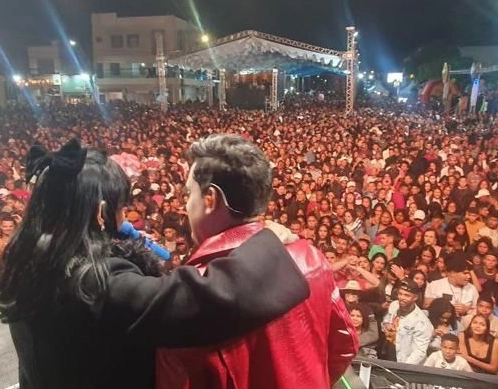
65, 163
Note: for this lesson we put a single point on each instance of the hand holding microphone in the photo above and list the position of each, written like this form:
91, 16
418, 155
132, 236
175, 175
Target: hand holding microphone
129, 231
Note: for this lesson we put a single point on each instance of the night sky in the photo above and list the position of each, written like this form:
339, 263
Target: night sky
389, 29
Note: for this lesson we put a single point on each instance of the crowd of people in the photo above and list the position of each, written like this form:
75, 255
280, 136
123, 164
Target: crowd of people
403, 205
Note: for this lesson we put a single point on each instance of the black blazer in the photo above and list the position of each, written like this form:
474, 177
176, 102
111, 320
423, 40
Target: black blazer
111, 344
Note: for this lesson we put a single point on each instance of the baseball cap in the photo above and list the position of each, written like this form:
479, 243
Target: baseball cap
419, 214
351, 184
136, 192
410, 286
298, 176
343, 178
364, 237
4, 192
482, 193
154, 186
352, 285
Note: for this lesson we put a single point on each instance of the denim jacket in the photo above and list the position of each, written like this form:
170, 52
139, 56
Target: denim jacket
413, 334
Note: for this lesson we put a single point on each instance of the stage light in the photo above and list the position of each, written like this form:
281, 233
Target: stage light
361, 76
205, 38
72, 42
85, 76
17, 78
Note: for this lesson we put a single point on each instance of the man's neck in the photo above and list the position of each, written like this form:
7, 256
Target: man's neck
449, 360
407, 310
453, 283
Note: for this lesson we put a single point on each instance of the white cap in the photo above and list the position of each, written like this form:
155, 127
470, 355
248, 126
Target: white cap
352, 285
136, 192
154, 186
351, 184
482, 193
4, 192
419, 214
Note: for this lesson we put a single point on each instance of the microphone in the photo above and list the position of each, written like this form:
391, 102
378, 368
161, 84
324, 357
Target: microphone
129, 231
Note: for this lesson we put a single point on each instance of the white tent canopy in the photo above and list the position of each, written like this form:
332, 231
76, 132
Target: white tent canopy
254, 51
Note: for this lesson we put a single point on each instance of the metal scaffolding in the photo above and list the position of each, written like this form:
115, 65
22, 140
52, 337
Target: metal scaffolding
350, 58
276, 39
274, 90
222, 88
161, 71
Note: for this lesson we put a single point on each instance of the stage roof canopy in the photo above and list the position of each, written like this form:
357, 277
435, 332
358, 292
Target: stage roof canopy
254, 51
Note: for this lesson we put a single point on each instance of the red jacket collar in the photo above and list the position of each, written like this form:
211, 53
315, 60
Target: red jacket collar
223, 243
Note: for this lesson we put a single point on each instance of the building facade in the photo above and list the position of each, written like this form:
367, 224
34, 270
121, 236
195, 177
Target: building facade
124, 56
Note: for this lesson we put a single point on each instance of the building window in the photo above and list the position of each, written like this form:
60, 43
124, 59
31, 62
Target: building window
115, 69
132, 41
99, 70
117, 41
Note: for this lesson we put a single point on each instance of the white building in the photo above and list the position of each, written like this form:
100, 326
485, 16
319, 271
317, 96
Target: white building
124, 56
43, 60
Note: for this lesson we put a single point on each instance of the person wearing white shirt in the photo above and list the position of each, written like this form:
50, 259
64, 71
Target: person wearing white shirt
451, 164
447, 357
455, 287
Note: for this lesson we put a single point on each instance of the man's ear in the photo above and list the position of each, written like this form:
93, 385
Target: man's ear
100, 215
211, 199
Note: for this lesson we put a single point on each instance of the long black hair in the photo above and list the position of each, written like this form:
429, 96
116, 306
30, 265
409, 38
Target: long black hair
438, 308
60, 242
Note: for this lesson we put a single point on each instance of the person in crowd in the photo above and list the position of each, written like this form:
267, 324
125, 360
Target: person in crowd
473, 223
477, 345
86, 311
486, 273
366, 327
430, 239
229, 185
7, 227
386, 244
443, 317
447, 357
421, 280
427, 257
490, 230
455, 287
406, 327
485, 306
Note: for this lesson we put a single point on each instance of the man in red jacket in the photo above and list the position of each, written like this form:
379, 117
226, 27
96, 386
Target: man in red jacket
309, 347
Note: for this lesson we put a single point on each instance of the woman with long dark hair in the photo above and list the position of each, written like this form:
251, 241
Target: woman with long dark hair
443, 317
478, 347
87, 312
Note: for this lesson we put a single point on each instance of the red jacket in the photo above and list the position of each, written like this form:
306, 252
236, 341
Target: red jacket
308, 348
